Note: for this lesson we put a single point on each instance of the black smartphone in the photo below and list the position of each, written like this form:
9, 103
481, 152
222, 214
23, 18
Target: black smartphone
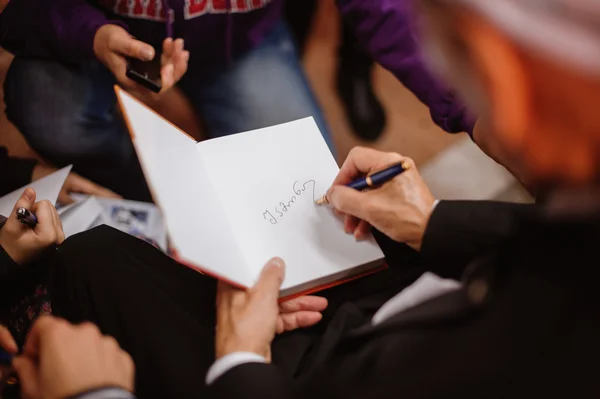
145, 73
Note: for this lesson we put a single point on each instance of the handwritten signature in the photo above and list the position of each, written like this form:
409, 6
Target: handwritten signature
283, 207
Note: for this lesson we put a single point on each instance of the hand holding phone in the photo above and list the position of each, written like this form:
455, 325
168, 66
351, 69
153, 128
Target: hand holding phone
135, 64
145, 73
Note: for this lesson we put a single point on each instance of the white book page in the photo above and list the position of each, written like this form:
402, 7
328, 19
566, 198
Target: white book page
47, 188
267, 182
196, 223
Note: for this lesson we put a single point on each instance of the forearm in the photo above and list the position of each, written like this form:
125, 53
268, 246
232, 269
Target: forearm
385, 28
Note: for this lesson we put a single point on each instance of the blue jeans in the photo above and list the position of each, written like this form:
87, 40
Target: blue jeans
68, 113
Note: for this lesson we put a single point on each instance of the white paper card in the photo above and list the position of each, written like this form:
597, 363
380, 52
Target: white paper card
46, 188
135, 218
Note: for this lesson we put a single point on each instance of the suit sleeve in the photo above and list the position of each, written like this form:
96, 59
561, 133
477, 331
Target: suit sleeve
14, 172
460, 231
252, 380
57, 28
384, 29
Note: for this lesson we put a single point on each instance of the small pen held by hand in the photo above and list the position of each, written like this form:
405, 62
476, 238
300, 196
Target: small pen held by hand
373, 180
26, 217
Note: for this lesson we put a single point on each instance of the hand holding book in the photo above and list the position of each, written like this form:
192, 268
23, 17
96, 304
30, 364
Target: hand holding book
247, 320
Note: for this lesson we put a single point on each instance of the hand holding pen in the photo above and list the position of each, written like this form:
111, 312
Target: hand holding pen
30, 229
382, 190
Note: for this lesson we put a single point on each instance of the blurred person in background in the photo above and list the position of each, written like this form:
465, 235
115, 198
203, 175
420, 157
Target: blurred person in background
17, 172
375, 26
354, 69
509, 304
239, 69
243, 74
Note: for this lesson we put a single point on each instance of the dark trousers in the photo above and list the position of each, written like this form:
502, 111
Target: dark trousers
163, 314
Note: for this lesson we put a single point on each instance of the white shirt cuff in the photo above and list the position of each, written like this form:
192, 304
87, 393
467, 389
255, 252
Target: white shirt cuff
226, 363
435, 204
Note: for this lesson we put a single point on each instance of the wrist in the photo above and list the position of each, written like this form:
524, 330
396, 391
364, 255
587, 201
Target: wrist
100, 41
224, 349
423, 223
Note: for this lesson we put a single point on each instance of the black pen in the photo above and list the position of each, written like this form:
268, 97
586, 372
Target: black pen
373, 180
26, 217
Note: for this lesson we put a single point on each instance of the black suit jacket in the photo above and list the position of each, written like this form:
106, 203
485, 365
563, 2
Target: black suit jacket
526, 323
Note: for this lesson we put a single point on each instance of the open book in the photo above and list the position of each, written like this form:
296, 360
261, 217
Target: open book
232, 203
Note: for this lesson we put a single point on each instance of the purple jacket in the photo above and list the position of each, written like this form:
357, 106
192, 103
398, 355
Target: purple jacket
216, 31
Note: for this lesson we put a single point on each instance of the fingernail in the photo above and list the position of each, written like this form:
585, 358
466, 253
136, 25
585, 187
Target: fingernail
147, 54
276, 262
28, 193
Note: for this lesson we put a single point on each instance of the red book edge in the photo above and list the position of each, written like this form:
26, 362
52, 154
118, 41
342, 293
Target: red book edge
286, 298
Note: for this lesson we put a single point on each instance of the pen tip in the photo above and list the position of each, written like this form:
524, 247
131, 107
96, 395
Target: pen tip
322, 201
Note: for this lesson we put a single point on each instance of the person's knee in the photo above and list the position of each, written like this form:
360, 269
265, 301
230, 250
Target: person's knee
47, 101
268, 86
